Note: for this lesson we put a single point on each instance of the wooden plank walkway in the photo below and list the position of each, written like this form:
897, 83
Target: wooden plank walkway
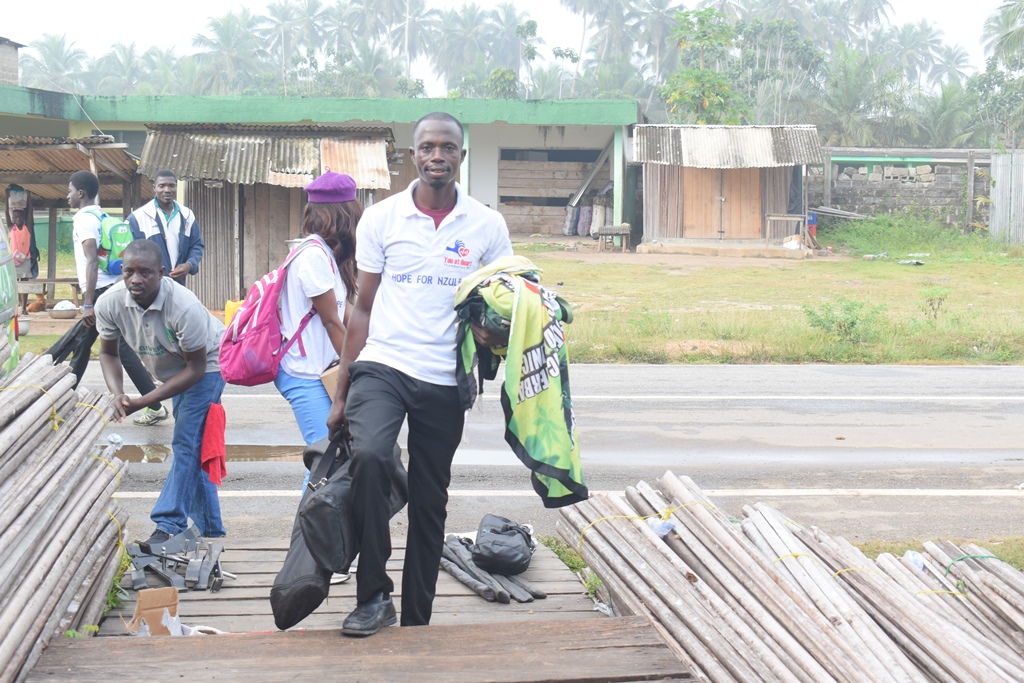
557, 639
243, 605
552, 651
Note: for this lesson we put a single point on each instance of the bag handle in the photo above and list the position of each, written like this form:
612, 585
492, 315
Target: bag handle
334, 454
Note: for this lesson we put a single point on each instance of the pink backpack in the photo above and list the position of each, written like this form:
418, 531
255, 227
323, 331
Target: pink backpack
253, 346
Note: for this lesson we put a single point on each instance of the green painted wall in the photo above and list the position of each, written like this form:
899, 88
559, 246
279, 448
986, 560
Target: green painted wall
172, 109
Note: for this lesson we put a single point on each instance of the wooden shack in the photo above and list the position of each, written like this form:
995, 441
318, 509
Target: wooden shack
724, 182
245, 184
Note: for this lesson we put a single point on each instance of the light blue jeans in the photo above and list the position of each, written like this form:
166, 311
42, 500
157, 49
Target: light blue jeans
310, 403
188, 492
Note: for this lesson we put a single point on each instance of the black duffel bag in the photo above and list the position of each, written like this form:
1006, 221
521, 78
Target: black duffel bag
302, 585
502, 546
325, 517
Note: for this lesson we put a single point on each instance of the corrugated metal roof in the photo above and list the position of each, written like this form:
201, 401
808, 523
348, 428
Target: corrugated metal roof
727, 146
364, 160
43, 165
287, 156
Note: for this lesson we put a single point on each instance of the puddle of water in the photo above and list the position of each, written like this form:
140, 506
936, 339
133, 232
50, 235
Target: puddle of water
161, 453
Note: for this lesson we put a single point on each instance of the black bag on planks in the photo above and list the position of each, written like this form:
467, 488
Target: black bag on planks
502, 546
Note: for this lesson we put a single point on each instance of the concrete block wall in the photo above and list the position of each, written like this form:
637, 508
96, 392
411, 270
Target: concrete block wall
935, 190
8, 64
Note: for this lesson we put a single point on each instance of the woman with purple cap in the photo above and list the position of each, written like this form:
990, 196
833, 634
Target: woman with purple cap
321, 278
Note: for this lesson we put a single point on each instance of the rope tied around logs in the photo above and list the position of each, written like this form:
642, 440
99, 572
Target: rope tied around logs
110, 465
969, 557
862, 569
795, 555
54, 417
937, 592
120, 530
663, 516
98, 410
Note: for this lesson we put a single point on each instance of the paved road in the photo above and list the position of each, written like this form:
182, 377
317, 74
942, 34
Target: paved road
860, 436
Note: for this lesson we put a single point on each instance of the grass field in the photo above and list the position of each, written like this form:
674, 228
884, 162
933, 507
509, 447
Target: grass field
962, 306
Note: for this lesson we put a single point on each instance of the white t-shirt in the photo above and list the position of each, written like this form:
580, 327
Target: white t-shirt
310, 274
87, 227
171, 229
412, 326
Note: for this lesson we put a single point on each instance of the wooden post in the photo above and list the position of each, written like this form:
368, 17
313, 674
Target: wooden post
970, 191
827, 189
51, 246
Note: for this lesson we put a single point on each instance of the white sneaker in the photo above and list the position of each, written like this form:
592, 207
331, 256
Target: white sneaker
340, 578
151, 417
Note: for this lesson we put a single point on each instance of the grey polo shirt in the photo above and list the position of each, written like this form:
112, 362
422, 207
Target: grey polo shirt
174, 323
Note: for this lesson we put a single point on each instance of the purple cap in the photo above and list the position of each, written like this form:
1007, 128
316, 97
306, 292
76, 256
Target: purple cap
332, 187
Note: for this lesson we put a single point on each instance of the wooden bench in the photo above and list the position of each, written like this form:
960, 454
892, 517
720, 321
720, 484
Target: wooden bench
607, 234
48, 286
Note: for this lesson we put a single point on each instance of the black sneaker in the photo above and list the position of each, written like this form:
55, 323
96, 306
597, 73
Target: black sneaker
369, 617
152, 544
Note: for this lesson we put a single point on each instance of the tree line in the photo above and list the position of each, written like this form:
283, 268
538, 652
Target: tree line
839, 64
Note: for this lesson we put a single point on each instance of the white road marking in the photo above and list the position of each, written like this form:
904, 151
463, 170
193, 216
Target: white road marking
722, 493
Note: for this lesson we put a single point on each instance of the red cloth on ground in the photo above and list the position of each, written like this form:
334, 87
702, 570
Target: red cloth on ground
213, 449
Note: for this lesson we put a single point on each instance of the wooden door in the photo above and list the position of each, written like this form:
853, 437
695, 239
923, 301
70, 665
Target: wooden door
702, 204
741, 211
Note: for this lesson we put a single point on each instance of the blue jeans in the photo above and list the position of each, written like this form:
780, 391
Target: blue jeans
310, 403
188, 492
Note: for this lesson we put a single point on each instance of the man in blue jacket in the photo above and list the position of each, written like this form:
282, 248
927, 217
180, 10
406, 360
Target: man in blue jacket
171, 226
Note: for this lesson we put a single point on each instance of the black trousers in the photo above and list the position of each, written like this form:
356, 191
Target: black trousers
379, 399
130, 360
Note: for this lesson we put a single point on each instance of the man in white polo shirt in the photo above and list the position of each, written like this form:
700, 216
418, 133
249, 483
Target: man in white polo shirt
412, 251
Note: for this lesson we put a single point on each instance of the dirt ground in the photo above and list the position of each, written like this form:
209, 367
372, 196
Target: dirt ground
585, 249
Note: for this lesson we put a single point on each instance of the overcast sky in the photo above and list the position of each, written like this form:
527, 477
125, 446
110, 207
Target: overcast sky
175, 23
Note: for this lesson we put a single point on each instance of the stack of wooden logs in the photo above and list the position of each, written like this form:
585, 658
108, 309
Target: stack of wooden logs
765, 599
59, 527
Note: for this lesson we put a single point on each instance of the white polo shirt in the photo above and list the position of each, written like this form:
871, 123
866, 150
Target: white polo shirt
87, 227
412, 326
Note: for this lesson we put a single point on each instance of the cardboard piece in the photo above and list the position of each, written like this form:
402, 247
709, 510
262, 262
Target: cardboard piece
150, 606
330, 379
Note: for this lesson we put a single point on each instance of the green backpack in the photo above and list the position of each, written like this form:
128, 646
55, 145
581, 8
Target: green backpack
115, 235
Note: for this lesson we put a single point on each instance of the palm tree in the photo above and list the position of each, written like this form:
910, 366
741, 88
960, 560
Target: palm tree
856, 96
584, 8
1004, 31
947, 119
952, 64
367, 21
469, 33
339, 31
548, 82
310, 25
506, 49
53, 63
655, 21
163, 71
616, 22
233, 53
123, 70
280, 28
416, 33
915, 47
374, 62
867, 14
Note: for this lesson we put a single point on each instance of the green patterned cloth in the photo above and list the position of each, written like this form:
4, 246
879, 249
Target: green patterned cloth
506, 297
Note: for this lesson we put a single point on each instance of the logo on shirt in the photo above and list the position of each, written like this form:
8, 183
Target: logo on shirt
459, 248
461, 258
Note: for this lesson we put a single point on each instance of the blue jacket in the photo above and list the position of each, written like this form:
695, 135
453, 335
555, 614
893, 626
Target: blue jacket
147, 223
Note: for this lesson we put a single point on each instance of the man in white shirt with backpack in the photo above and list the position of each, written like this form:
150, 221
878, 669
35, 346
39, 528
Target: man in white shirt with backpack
83, 195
